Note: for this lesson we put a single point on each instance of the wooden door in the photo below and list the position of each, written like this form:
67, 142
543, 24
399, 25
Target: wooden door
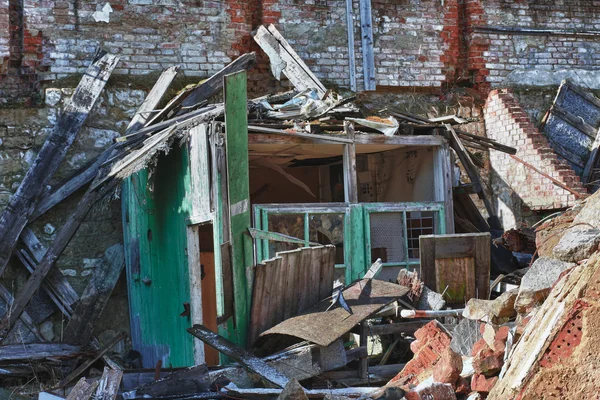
456, 265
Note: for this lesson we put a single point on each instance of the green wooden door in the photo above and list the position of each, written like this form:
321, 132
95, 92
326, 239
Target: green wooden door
155, 207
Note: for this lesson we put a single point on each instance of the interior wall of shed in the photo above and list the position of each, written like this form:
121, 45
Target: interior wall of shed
395, 176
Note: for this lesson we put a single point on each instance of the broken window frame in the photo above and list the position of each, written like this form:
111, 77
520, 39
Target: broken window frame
263, 211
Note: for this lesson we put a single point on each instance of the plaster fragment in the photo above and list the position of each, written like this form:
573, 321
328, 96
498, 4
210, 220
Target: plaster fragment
104, 15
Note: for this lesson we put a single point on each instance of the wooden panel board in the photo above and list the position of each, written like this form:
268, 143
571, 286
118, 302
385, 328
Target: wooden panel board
238, 187
289, 284
455, 277
459, 261
209, 303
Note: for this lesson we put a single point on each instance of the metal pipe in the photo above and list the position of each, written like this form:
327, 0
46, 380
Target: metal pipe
431, 313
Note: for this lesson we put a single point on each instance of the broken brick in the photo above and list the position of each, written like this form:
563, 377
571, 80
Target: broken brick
434, 391
480, 383
448, 368
488, 362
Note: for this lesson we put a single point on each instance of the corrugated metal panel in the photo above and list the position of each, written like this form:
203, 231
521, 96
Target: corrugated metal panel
154, 222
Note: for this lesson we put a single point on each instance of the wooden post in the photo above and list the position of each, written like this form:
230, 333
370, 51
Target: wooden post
363, 366
350, 182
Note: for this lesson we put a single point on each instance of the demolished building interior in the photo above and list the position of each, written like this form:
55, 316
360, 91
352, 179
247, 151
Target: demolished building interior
309, 241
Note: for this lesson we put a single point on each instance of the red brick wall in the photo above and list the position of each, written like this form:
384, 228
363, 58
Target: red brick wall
507, 122
429, 43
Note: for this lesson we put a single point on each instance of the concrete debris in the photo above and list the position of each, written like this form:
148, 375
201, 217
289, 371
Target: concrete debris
537, 282
494, 311
293, 391
577, 244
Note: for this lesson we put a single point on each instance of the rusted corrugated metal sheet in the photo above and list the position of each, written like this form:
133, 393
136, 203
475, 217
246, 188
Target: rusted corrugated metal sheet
290, 283
322, 327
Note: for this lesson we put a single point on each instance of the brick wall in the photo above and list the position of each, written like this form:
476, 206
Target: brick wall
427, 43
507, 122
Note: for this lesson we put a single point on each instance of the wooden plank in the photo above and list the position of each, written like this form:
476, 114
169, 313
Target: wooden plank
245, 358
183, 382
415, 140
366, 29
55, 281
349, 160
310, 136
483, 254
23, 202
8, 299
292, 266
455, 277
95, 296
196, 292
592, 160
38, 351
238, 182
108, 386
363, 363
83, 390
200, 173
258, 295
214, 84
88, 363
61, 241
350, 38
228, 284
443, 184
284, 59
144, 111
574, 121
427, 253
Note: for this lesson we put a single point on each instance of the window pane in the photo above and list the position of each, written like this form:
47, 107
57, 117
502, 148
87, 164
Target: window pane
387, 237
328, 229
418, 223
288, 224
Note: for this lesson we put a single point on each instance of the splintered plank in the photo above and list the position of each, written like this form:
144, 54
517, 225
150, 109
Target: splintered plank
56, 285
140, 118
88, 363
245, 358
23, 202
94, 298
187, 381
83, 390
108, 386
38, 351
63, 237
284, 59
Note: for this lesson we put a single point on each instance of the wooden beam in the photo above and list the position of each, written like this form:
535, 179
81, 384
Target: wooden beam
83, 390
8, 299
38, 351
366, 29
56, 284
214, 84
23, 202
183, 382
245, 358
311, 136
95, 296
108, 385
88, 363
351, 52
138, 121
54, 251
350, 179
402, 140
284, 59
591, 161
